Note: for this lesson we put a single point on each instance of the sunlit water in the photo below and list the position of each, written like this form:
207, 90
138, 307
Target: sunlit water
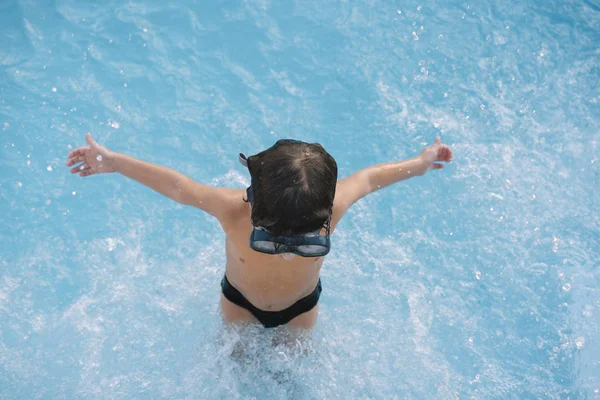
477, 281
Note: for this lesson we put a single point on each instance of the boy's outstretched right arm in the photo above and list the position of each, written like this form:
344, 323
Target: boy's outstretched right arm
368, 180
95, 159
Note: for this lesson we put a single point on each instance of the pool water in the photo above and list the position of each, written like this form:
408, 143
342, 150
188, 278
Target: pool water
478, 281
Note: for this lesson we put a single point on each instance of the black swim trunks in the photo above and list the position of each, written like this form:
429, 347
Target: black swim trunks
271, 319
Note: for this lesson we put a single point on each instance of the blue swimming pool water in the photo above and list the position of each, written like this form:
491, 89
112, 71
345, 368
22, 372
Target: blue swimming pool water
478, 281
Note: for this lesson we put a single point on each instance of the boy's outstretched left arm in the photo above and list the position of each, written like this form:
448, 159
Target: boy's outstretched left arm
368, 180
96, 159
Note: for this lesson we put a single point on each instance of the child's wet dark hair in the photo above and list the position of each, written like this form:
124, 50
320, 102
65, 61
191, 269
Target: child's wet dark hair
293, 185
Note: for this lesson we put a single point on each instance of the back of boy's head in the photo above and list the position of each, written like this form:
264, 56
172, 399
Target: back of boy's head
293, 185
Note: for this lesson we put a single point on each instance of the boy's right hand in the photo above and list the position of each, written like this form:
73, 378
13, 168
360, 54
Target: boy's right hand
438, 151
91, 159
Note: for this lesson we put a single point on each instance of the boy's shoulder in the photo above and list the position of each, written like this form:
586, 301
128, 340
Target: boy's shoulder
231, 206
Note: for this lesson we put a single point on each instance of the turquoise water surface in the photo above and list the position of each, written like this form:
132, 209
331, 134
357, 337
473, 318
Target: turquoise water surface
478, 281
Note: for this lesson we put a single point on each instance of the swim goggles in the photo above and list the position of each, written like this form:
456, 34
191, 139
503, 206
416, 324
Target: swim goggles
311, 244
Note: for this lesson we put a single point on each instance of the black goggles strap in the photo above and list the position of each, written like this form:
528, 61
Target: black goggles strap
243, 160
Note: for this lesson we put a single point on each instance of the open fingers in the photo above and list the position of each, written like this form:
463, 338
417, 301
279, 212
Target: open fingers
75, 160
80, 151
80, 168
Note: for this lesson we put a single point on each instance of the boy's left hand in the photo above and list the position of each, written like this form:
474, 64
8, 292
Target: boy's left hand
436, 152
91, 159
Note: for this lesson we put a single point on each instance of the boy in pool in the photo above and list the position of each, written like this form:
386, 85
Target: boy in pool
277, 231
